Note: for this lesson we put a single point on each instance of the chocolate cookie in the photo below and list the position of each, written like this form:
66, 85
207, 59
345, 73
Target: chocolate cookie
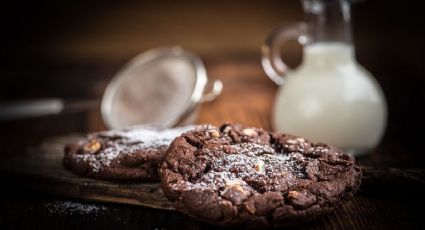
132, 154
239, 176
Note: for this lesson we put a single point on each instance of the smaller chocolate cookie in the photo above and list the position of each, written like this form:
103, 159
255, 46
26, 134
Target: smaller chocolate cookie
242, 176
132, 154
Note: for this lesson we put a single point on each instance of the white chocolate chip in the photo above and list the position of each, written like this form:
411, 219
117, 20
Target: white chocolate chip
301, 140
259, 166
214, 133
234, 187
227, 129
292, 141
92, 146
249, 132
231, 183
293, 194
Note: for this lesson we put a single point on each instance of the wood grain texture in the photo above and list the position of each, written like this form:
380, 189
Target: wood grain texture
247, 96
41, 169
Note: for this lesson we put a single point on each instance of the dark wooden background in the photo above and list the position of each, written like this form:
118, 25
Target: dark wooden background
71, 50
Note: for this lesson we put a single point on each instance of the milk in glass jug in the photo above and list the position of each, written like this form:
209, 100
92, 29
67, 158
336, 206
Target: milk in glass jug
330, 97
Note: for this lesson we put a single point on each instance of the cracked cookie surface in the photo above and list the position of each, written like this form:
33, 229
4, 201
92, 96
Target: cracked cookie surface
237, 175
131, 154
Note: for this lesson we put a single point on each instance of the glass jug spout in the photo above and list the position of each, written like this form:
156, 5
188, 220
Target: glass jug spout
327, 20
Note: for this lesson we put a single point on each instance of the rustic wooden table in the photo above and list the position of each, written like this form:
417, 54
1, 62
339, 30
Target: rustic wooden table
71, 50
247, 98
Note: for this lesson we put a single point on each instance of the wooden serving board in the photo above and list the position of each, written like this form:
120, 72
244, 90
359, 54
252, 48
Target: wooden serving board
41, 169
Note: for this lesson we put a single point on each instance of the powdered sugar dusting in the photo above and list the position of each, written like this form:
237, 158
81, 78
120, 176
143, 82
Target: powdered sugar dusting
118, 142
250, 164
73, 208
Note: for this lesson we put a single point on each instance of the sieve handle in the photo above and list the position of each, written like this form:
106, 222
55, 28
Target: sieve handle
213, 93
17, 110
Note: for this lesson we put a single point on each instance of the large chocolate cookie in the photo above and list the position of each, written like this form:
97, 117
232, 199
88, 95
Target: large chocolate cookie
247, 176
132, 154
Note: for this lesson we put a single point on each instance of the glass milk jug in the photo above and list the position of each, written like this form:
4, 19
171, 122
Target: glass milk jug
330, 97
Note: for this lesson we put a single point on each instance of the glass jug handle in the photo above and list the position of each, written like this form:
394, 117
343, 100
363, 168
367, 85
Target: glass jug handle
271, 60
